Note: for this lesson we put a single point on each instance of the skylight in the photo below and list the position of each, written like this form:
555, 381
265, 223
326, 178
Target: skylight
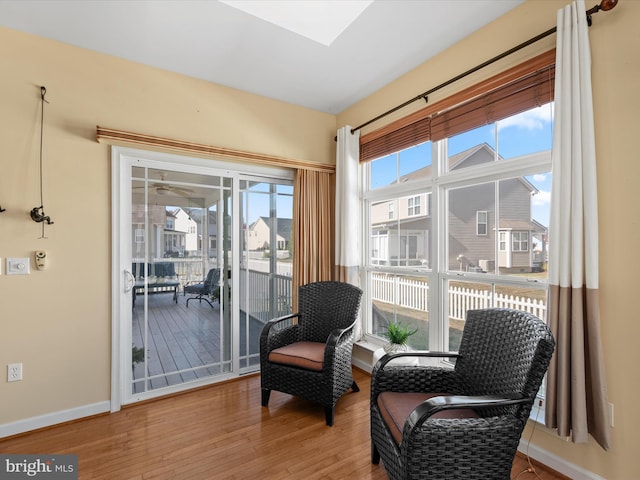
319, 20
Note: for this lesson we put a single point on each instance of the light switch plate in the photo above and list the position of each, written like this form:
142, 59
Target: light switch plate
18, 266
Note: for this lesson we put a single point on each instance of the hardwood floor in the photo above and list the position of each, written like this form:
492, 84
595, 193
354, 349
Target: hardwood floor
222, 432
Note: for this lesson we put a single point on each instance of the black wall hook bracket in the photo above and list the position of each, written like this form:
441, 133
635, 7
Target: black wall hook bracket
37, 215
2, 209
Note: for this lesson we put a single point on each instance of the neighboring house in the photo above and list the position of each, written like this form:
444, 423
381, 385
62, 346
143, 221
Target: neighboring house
259, 234
401, 226
180, 233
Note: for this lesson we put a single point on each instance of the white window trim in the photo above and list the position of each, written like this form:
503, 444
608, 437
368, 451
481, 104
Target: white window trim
485, 223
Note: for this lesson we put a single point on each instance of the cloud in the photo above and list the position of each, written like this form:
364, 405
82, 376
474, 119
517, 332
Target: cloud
534, 119
539, 177
541, 198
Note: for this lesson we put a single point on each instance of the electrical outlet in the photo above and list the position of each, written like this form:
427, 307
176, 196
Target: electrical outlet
14, 372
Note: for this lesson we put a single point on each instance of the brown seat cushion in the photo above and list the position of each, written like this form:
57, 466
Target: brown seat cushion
309, 355
396, 407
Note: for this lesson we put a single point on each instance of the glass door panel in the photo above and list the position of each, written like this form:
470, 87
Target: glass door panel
180, 323
266, 261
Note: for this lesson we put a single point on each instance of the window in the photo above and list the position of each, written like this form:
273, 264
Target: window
413, 206
481, 223
502, 244
465, 222
391, 208
520, 241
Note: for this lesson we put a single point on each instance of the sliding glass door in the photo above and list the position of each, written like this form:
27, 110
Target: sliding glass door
201, 260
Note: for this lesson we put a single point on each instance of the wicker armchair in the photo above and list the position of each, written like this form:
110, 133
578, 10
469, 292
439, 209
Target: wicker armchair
312, 358
465, 422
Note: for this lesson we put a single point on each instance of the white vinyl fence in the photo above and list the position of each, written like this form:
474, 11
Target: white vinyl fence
413, 293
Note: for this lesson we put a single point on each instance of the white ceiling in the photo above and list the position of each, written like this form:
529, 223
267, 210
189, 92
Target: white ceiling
211, 40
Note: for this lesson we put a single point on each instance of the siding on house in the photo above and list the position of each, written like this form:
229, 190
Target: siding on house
467, 249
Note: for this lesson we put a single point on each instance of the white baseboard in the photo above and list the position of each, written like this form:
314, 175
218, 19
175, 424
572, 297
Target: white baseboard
366, 366
558, 464
54, 418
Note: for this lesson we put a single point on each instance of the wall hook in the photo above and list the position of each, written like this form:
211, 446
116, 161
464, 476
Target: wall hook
2, 209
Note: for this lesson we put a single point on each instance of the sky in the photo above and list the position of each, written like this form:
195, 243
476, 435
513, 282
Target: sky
521, 134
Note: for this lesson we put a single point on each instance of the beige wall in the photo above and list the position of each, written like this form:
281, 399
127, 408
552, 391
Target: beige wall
58, 323
615, 46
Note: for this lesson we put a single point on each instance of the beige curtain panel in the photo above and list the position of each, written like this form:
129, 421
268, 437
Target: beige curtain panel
313, 227
576, 396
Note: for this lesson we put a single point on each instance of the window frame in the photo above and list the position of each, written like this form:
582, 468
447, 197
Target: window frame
413, 206
485, 223
436, 272
519, 234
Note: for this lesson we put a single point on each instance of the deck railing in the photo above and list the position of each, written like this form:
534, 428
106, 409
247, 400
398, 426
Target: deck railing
267, 295
266, 300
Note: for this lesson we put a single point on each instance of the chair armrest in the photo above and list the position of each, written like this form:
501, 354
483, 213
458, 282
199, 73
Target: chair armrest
448, 402
386, 358
339, 335
275, 336
337, 338
418, 378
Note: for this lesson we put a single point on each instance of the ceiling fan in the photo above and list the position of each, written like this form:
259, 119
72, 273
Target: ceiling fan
167, 188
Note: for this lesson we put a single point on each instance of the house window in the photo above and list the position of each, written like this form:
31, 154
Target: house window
502, 244
520, 241
481, 223
139, 235
391, 209
413, 206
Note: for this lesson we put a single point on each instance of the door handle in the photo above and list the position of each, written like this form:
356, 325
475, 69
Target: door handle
131, 281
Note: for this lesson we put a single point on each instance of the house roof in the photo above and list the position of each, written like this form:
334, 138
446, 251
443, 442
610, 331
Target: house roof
510, 224
283, 228
456, 161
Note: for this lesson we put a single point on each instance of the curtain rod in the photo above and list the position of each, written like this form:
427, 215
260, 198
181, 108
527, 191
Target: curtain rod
605, 5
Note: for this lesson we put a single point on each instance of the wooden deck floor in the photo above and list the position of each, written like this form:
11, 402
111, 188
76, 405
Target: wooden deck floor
185, 344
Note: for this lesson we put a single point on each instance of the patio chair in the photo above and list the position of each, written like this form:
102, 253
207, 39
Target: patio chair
203, 291
312, 358
463, 422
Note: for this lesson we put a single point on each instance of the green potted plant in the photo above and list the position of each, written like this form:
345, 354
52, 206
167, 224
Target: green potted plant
397, 334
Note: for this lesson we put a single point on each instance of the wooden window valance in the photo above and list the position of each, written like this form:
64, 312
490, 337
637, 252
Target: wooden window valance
515, 90
120, 137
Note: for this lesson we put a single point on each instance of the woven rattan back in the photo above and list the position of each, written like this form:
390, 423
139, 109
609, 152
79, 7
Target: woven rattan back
503, 351
325, 306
